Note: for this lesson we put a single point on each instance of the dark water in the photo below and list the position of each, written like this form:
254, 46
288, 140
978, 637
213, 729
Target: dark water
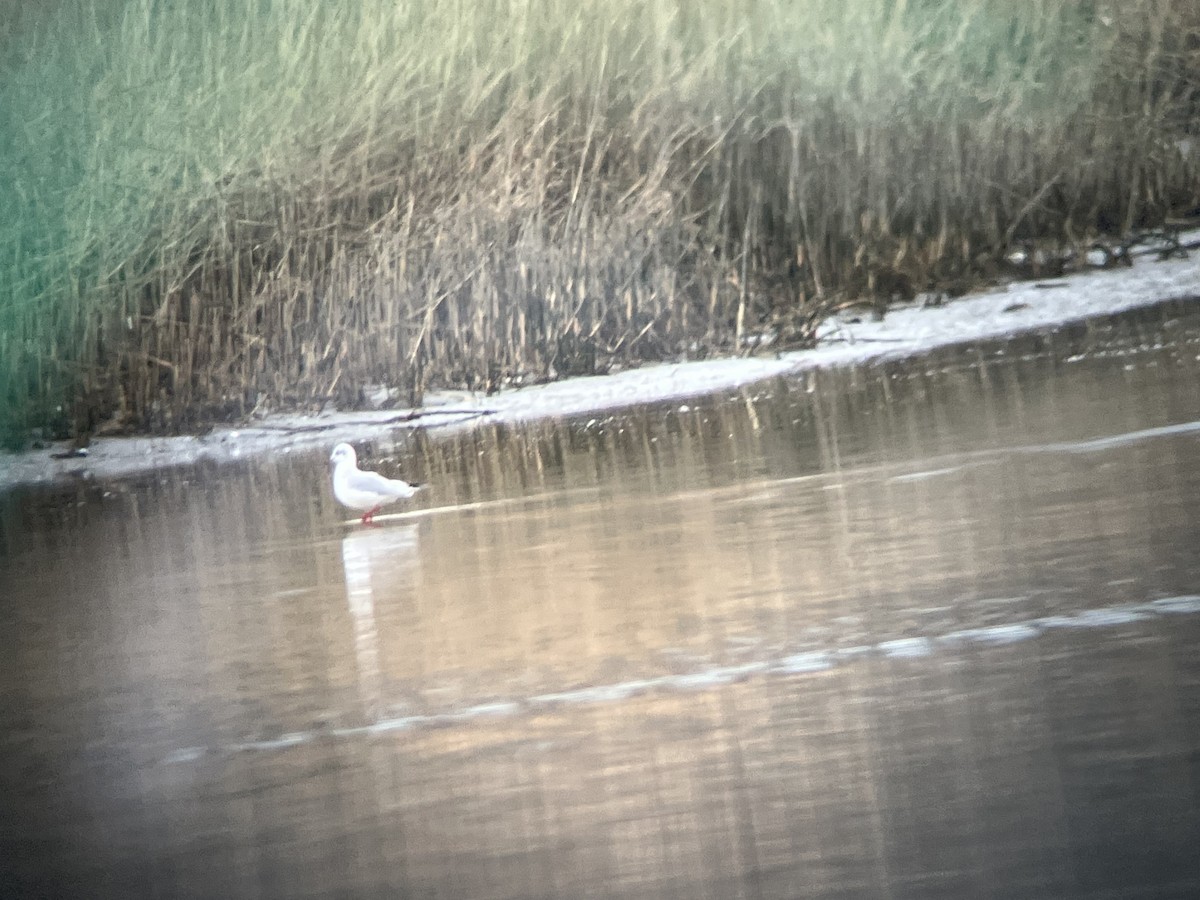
907, 632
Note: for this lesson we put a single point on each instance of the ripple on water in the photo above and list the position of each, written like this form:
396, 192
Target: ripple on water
804, 663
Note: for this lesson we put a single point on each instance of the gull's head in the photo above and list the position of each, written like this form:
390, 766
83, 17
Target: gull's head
343, 453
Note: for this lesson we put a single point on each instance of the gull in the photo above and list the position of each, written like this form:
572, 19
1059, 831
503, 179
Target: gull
365, 492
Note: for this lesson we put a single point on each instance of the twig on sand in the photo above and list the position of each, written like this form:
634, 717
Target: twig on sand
410, 416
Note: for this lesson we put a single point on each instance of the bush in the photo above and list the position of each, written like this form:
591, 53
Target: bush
214, 205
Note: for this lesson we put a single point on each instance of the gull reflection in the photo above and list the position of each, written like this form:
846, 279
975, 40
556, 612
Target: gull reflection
379, 562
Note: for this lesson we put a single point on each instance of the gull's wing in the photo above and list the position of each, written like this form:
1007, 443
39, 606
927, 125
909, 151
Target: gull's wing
375, 483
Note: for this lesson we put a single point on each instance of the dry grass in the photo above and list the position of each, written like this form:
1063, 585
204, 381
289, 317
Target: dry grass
215, 206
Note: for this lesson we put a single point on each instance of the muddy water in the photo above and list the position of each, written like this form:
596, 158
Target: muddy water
915, 631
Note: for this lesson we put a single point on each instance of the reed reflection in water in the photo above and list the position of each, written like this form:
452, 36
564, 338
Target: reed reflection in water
896, 633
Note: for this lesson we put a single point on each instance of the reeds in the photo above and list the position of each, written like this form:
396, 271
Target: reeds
216, 206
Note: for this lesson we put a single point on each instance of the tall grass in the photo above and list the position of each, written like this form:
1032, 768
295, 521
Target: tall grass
217, 205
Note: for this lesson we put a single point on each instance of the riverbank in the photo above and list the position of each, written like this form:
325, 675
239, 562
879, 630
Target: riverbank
218, 212
846, 340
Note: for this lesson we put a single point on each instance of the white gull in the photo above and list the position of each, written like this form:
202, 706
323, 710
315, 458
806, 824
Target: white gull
365, 492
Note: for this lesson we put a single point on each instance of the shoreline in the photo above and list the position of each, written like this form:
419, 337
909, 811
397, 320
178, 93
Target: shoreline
908, 331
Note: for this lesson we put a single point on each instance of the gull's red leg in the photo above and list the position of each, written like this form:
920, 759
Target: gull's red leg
369, 516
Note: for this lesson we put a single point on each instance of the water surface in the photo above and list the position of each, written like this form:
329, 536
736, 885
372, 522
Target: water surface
911, 631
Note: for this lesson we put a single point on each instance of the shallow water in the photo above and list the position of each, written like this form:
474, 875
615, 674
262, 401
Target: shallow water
905, 632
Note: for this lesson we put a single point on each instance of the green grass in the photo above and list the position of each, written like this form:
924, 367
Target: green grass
215, 205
